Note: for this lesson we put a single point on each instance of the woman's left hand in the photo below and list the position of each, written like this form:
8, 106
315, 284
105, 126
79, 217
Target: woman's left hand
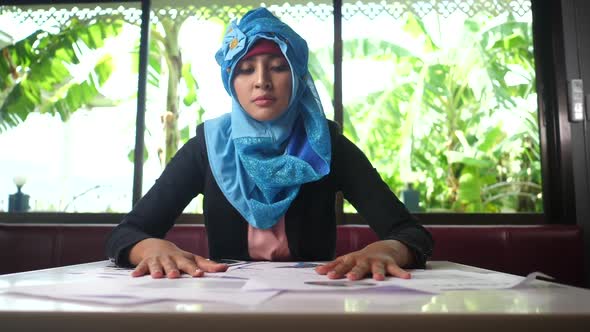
380, 258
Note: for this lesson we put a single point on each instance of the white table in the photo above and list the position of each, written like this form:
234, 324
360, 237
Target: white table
541, 307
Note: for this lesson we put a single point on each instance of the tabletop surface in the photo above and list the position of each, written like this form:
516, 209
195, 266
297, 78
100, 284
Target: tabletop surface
560, 305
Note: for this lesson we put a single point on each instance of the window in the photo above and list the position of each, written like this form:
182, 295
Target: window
68, 102
440, 95
184, 85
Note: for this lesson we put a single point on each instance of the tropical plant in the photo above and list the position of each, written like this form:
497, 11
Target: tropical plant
42, 73
447, 121
165, 60
53, 72
167, 63
460, 125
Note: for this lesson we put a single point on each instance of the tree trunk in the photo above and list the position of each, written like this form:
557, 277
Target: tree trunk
174, 64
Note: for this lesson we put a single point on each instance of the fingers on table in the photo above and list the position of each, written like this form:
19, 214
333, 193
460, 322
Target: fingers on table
342, 268
378, 270
325, 268
151, 266
359, 270
396, 271
209, 266
166, 266
355, 269
141, 269
171, 267
190, 267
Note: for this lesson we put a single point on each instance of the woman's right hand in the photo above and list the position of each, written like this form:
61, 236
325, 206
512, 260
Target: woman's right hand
161, 258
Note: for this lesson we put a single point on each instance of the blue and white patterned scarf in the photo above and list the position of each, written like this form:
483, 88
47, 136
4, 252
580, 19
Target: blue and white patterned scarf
260, 165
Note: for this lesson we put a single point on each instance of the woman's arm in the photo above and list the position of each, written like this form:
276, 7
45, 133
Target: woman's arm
138, 239
404, 243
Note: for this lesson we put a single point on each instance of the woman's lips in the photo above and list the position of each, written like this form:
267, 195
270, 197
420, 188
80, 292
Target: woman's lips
264, 101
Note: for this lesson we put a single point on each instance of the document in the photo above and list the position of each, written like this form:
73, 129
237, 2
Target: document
289, 276
439, 281
248, 283
155, 290
115, 286
302, 277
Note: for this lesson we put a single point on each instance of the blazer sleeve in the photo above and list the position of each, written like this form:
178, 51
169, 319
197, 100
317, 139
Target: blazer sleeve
155, 213
363, 187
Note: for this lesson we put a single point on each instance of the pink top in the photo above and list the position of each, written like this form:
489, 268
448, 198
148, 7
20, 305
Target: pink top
269, 244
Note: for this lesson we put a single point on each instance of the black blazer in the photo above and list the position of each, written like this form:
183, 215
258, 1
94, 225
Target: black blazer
310, 223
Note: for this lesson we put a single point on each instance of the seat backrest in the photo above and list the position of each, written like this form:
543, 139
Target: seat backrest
556, 250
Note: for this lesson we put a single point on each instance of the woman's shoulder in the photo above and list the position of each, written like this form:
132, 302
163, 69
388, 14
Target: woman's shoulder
200, 132
218, 126
197, 142
335, 129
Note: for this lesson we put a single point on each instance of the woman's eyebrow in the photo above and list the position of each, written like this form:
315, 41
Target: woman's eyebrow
270, 56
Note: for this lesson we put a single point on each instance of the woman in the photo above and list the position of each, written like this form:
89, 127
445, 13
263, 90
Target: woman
269, 172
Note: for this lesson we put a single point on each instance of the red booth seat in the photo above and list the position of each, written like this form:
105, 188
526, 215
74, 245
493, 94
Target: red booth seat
556, 250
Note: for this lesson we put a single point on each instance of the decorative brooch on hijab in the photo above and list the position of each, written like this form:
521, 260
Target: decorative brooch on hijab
261, 165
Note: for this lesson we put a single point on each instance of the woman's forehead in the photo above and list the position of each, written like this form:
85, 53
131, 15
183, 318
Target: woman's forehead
263, 57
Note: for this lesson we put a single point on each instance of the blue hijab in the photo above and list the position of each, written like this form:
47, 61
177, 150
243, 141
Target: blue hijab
260, 165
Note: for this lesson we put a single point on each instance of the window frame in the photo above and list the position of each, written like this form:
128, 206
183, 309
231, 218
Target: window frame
556, 151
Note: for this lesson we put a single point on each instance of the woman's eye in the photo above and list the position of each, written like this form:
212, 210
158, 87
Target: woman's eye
245, 70
281, 68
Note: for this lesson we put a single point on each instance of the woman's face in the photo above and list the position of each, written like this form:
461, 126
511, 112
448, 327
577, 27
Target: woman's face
262, 84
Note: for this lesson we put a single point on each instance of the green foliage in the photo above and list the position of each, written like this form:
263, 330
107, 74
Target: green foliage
459, 123
50, 73
191, 84
131, 155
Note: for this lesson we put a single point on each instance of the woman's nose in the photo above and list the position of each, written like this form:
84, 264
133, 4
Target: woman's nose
263, 80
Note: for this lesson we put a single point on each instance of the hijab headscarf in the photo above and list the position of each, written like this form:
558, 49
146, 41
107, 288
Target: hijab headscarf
260, 165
